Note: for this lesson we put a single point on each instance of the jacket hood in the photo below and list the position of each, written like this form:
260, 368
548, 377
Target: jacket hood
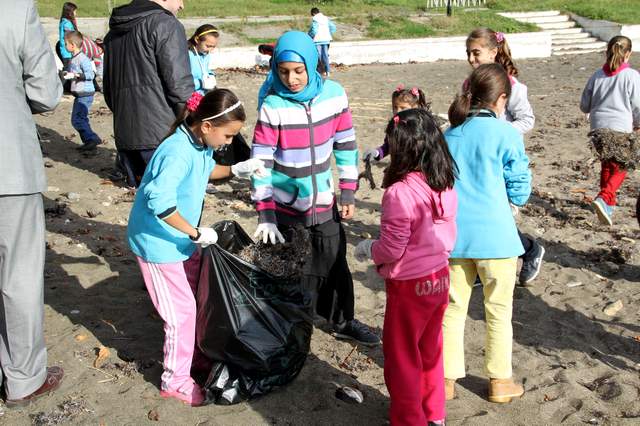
320, 18
126, 17
442, 204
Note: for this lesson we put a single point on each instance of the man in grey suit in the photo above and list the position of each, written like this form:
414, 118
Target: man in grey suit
29, 84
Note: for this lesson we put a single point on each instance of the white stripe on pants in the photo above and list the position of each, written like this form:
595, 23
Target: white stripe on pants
171, 287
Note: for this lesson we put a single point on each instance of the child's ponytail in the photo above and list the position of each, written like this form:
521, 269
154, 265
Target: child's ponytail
495, 40
460, 108
617, 48
413, 96
482, 90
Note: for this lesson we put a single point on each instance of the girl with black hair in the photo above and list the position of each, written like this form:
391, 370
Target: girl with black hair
163, 229
417, 233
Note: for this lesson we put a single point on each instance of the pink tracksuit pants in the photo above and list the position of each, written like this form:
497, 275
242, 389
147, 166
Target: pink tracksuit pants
172, 288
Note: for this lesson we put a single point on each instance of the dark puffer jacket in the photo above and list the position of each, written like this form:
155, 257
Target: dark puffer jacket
147, 78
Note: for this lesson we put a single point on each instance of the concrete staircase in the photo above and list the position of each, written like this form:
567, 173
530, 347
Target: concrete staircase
566, 37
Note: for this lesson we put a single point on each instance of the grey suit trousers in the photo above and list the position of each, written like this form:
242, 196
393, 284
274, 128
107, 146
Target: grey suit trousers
23, 355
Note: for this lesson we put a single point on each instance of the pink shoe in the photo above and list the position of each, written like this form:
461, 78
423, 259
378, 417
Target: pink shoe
195, 398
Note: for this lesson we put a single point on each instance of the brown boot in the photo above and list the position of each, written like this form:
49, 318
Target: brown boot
51, 383
449, 389
504, 390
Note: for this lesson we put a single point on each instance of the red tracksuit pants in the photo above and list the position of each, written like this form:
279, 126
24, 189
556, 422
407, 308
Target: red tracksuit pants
412, 345
611, 177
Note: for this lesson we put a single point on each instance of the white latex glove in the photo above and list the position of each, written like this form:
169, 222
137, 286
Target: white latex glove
250, 167
209, 82
208, 236
68, 75
363, 250
515, 210
371, 154
268, 231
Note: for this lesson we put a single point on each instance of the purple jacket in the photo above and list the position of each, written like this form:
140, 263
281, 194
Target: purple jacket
417, 229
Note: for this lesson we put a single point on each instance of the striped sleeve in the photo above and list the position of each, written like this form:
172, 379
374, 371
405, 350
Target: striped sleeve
265, 142
345, 151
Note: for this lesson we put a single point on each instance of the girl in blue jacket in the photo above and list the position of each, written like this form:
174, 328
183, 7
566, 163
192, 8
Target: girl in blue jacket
201, 44
493, 172
67, 24
163, 229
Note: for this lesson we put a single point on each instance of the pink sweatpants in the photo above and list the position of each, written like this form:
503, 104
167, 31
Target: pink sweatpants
412, 346
172, 287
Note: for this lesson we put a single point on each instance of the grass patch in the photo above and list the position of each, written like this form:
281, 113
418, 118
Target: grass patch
622, 11
397, 27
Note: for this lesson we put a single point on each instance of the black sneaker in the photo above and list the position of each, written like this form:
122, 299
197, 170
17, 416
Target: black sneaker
357, 331
89, 146
531, 266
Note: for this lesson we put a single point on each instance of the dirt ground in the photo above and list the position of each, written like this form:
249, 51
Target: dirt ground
579, 365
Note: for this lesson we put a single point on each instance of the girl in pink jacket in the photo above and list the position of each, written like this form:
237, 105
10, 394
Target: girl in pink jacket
417, 233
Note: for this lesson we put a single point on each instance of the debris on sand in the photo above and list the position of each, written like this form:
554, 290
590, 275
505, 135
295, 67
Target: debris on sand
617, 146
605, 387
62, 414
280, 260
57, 210
367, 175
350, 395
613, 308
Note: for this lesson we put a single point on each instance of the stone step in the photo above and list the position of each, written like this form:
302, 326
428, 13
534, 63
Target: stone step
575, 52
583, 40
592, 45
557, 25
565, 31
545, 19
570, 36
524, 15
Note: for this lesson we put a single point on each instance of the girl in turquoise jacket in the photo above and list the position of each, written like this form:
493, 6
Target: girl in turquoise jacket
67, 24
493, 172
201, 44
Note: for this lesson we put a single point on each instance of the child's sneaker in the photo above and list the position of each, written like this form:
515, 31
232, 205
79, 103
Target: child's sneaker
531, 264
603, 210
194, 398
357, 331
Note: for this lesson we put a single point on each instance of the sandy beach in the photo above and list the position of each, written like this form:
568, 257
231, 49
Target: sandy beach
579, 364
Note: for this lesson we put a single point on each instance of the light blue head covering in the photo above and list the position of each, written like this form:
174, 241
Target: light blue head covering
293, 46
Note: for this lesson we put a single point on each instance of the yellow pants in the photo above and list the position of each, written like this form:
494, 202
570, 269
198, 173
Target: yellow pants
498, 277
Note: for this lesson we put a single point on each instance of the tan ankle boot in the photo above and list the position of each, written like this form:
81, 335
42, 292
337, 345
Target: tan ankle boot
449, 389
504, 390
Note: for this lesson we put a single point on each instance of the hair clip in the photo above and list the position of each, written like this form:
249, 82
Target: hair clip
400, 87
194, 101
396, 120
499, 37
415, 92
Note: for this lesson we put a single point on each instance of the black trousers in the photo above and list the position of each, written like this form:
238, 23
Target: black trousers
327, 270
133, 163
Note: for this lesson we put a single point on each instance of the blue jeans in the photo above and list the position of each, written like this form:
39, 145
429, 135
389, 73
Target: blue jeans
80, 118
323, 53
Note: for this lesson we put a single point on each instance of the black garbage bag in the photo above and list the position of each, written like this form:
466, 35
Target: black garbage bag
255, 328
234, 153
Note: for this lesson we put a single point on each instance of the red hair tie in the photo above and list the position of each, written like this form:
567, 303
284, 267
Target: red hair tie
499, 37
400, 87
194, 101
415, 92
396, 120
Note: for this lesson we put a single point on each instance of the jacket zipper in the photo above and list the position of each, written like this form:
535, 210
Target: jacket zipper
314, 216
